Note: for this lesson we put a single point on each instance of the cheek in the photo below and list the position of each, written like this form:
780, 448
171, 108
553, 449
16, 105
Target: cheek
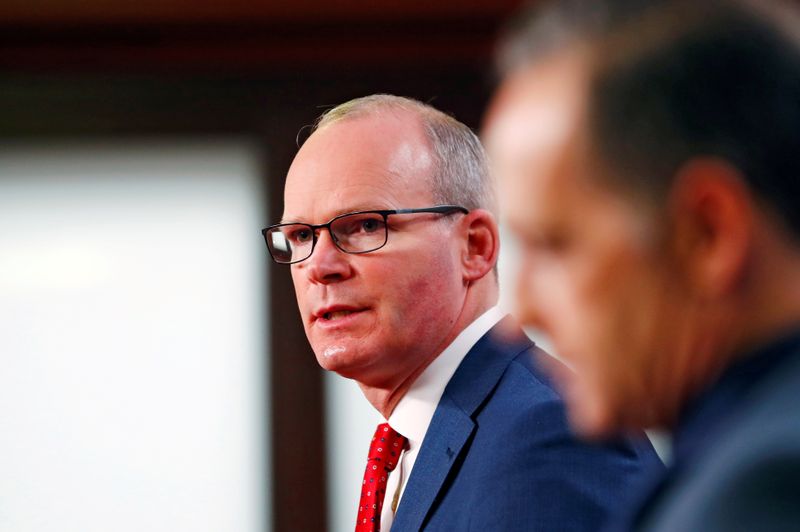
548, 297
625, 313
300, 289
425, 298
611, 310
583, 301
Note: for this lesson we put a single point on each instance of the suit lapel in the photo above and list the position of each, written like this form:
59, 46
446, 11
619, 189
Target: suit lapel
439, 450
452, 423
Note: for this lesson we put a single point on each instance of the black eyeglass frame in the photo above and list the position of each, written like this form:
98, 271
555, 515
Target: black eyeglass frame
385, 213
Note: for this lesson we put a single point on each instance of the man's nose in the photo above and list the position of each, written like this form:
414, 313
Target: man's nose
529, 299
327, 263
529, 313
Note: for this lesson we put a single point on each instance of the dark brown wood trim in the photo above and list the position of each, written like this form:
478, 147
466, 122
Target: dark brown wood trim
298, 439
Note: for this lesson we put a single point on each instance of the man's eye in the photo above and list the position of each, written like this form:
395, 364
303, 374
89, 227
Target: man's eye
359, 225
300, 236
370, 225
555, 243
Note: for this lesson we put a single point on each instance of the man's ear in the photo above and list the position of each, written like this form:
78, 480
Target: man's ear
482, 244
713, 216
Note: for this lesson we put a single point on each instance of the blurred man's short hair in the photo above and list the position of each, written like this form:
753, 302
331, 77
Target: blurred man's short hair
677, 79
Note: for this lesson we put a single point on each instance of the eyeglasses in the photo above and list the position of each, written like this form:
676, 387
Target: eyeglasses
354, 232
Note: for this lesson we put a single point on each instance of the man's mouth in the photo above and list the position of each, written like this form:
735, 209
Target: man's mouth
335, 315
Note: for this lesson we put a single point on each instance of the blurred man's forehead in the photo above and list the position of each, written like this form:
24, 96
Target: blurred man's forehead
538, 104
535, 126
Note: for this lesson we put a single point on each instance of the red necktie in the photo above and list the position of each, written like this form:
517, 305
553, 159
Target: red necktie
384, 453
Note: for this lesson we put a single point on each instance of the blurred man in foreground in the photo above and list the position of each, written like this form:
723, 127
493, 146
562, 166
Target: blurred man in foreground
651, 165
389, 229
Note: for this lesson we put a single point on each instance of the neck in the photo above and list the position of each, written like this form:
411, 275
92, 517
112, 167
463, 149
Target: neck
775, 308
386, 394
765, 307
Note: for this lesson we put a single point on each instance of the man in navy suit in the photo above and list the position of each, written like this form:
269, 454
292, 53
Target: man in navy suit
658, 210
389, 228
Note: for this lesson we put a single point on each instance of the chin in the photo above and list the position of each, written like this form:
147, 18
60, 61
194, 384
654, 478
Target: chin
591, 416
340, 360
590, 428
330, 359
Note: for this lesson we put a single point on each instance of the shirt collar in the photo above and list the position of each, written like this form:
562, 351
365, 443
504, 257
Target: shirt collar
414, 412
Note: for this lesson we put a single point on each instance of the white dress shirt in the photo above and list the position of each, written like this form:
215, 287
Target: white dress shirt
414, 412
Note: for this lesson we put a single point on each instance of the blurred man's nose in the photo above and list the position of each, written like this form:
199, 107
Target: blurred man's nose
327, 263
529, 299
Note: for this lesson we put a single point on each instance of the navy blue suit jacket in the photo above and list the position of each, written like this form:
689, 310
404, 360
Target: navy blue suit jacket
499, 453
736, 460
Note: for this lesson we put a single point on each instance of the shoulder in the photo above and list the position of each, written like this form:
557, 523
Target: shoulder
748, 482
532, 369
527, 415
749, 478
525, 391
525, 397
523, 438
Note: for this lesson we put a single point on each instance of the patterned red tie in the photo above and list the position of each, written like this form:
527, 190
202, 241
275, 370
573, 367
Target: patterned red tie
384, 453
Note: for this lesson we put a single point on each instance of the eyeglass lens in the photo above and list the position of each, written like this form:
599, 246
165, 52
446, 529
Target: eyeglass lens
354, 233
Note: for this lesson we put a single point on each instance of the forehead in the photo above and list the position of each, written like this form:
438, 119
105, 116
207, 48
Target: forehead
537, 105
381, 160
551, 181
536, 134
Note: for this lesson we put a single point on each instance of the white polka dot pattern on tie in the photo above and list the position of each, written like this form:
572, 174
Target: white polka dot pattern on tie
384, 452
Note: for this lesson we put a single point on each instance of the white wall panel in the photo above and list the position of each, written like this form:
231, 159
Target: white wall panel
132, 317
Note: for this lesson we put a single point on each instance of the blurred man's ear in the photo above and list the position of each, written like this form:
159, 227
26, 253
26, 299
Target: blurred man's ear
713, 216
482, 244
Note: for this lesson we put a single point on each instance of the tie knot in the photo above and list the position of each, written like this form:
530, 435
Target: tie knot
386, 446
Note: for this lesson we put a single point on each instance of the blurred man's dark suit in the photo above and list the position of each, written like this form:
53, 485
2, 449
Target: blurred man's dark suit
736, 450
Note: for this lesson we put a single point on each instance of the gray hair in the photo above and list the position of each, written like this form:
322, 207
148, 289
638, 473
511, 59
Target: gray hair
461, 175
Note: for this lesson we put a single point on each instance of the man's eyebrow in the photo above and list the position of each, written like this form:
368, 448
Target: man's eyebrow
358, 207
